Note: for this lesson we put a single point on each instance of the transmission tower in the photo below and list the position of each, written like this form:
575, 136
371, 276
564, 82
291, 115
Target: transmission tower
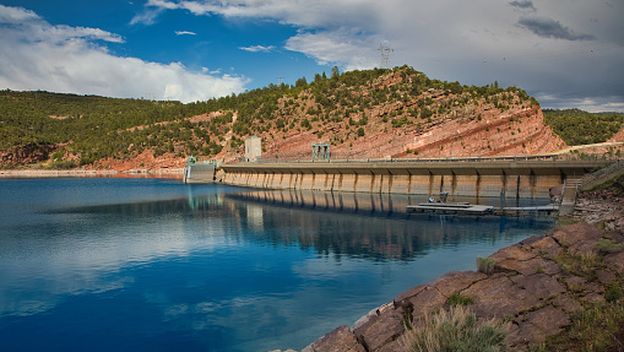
384, 53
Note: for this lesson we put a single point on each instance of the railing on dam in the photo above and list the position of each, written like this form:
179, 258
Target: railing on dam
538, 157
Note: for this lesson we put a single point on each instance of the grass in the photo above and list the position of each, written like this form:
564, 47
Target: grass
606, 246
485, 265
583, 265
456, 329
457, 299
614, 292
597, 328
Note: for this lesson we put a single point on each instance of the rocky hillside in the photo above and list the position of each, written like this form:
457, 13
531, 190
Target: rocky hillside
363, 114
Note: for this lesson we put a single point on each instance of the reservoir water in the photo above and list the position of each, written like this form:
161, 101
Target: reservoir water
156, 265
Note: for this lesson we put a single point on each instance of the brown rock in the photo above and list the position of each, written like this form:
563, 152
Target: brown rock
457, 281
579, 238
542, 323
394, 346
539, 286
381, 330
515, 252
615, 262
529, 267
606, 276
499, 297
404, 296
545, 245
567, 303
339, 340
426, 301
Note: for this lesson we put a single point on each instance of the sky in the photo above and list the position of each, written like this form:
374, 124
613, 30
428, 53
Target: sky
567, 53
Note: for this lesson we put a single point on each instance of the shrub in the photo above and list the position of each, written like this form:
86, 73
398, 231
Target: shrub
485, 265
606, 246
614, 292
457, 299
361, 132
456, 329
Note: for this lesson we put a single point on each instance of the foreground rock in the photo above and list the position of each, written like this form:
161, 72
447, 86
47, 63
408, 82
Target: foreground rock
535, 285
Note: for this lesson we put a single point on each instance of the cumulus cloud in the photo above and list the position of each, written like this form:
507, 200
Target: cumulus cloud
257, 48
185, 33
72, 59
549, 28
338, 47
474, 42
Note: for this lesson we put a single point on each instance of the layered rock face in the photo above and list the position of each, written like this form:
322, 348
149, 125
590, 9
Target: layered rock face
520, 131
535, 285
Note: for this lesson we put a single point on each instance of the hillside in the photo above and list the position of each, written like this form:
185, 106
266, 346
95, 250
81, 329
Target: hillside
577, 127
363, 114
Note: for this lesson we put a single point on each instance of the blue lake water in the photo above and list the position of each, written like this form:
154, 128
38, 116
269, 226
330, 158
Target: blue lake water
156, 265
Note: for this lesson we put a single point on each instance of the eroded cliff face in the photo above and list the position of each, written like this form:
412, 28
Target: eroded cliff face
521, 131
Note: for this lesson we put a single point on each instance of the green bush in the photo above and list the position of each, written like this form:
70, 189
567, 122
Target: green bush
457, 299
485, 265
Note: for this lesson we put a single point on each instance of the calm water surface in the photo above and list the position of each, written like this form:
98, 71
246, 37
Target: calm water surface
143, 264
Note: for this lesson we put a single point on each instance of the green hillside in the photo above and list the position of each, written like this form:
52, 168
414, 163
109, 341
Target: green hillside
577, 127
90, 128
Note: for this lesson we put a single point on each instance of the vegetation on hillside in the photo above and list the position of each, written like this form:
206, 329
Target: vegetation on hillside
83, 129
578, 127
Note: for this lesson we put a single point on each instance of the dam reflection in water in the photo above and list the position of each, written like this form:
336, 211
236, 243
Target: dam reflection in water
213, 268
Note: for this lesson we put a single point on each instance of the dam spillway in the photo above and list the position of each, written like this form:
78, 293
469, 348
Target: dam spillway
465, 178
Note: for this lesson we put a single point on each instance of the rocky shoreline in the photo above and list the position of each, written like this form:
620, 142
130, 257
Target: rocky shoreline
538, 287
43, 173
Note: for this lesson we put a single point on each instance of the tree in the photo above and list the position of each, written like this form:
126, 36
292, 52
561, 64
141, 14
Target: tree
335, 72
301, 82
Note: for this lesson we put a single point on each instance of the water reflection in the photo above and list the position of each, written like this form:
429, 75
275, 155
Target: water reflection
330, 223
205, 268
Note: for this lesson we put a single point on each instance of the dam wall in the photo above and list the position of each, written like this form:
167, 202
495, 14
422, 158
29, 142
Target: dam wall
505, 179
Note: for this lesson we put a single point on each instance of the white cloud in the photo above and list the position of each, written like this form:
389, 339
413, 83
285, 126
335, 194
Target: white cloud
69, 59
337, 47
185, 33
257, 48
474, 42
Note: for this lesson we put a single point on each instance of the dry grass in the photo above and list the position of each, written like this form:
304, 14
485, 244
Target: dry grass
455, 329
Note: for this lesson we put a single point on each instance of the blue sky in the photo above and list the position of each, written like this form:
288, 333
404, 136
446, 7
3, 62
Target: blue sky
567, 53
215, 44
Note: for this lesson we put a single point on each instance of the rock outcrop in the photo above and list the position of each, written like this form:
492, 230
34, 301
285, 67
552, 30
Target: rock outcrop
536, 285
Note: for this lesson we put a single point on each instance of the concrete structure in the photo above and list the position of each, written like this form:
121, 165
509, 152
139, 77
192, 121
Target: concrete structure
253, 149
472, 178
203, 172
321, 152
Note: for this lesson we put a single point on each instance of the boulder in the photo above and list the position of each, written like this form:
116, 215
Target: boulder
380, 330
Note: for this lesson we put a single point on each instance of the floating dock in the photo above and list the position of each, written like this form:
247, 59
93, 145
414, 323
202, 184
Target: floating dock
451, 208
473, 209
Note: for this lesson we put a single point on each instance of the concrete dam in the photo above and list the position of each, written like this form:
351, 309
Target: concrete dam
506, 178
